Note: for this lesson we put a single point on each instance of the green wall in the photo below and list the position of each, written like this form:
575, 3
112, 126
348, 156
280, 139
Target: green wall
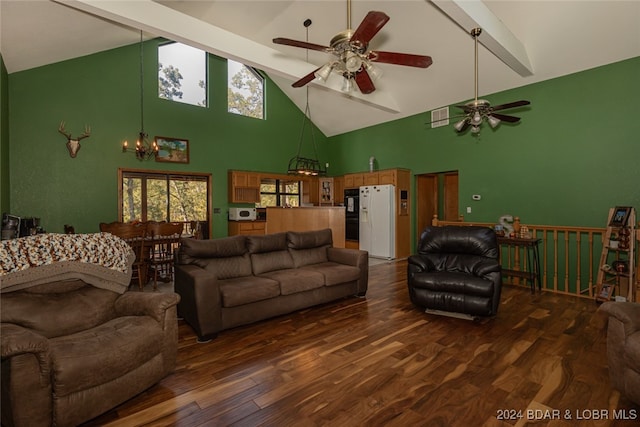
4, 139
102, 90
574, 154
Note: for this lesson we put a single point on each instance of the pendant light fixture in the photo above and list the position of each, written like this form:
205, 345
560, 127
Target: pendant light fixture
299, 165
144, 149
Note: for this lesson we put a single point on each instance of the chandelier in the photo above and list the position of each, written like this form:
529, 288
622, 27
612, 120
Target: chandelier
144, 149
299, 165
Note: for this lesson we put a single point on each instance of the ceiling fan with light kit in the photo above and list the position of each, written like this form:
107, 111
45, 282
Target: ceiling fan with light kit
480, 109
353, 59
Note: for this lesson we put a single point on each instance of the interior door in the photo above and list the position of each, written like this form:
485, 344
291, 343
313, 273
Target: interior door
426, 200
450, 190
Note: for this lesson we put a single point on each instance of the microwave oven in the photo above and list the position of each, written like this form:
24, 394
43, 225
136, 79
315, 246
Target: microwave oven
242, 214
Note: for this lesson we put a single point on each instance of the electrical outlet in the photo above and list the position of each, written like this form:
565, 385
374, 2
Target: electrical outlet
468, 209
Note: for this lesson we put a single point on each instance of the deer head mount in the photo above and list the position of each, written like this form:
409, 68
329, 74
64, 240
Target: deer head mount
73, 144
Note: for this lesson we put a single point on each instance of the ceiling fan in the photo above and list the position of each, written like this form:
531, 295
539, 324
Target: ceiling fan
353, 59
480, 109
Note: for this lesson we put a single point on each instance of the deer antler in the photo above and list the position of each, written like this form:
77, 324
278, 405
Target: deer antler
86, 133
62, 131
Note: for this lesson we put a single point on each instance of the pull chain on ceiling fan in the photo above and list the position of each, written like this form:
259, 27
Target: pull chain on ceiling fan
353, 59
480, 109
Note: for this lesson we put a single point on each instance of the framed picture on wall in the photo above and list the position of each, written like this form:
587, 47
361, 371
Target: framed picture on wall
173, 150
620, 216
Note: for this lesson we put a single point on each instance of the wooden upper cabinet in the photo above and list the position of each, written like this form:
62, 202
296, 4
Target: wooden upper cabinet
389, 176
370, 178
338, 187
244, 187
353, 180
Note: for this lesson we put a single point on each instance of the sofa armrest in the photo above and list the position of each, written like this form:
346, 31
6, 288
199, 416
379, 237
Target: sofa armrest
200, 300
356, 258
628, 313
26, 377
17, 340
417, 263
146, 304
346, 256
486, 266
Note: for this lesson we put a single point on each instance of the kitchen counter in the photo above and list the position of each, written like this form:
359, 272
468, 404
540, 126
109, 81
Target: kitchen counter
308, 218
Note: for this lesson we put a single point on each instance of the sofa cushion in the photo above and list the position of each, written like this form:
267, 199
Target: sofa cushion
296, 280
245, 290
214, 248
59, 308
104, 353
453, 282
309, 239
226, 268
334, 273
271, 261
267, 243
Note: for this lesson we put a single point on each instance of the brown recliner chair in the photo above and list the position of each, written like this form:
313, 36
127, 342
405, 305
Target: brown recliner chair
623, 347
74, 344
456, 272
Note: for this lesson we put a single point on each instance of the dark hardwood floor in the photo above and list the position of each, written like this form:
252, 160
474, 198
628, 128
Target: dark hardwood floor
380, 361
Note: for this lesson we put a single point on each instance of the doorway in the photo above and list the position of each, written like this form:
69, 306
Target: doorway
436, 194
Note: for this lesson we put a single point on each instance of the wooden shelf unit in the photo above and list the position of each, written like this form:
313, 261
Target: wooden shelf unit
612, 281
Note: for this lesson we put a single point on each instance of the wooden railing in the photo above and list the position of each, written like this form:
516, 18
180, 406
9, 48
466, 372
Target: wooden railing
569, 257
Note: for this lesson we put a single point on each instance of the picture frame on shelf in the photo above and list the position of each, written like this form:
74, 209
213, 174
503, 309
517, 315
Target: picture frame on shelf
606, 292
172, 150
620, 216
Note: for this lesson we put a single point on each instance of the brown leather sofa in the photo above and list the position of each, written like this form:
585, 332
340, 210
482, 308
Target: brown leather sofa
623, 347
74, 343
238, 280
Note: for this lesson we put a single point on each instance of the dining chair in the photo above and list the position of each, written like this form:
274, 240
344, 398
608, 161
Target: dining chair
165, 238
135, 234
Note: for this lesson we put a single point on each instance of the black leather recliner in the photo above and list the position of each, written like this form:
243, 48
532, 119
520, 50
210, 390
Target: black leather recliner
456, 270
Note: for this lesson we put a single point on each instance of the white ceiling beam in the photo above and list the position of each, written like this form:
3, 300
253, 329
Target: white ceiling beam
163, 21
495, 35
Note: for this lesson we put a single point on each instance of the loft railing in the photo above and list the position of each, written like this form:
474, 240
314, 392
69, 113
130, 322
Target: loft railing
569, 257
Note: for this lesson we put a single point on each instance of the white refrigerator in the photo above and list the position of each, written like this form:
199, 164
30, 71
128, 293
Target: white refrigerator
377, 220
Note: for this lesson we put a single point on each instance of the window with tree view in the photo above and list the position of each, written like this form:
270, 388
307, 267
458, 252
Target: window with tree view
182, 74
275, 192
151, 196
245, 90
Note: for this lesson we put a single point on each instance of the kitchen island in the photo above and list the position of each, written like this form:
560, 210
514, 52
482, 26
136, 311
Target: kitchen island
307, 219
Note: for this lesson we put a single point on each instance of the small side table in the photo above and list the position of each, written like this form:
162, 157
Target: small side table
530, 246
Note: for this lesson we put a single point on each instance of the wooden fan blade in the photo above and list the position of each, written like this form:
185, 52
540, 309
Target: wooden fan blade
510, 105
306, 79
396, 58
298, 43
505, 118
364, 82
369, 27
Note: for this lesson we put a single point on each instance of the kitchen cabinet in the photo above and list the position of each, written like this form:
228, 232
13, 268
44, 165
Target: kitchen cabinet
246, 228
338, 188
326, 189
353, 180
370, 178
244, 187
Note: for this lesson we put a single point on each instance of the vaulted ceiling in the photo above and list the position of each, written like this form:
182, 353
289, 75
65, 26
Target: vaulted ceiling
523, 42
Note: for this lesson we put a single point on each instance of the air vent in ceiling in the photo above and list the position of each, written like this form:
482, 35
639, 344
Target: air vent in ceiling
440, 117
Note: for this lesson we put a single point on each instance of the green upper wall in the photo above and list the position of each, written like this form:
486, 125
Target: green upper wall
102, 90
573, 155
4, 138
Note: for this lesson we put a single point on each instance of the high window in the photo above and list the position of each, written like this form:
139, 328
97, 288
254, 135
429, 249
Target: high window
245, 90
159, 196
276, 192
182, 74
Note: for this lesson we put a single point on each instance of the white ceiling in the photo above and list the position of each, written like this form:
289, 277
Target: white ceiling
556, 37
